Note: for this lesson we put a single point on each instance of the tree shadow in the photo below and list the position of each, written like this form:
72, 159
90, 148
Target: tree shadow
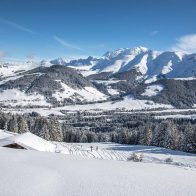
147, 149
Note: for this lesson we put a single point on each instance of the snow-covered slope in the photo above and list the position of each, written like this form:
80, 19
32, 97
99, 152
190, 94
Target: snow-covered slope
13, 68
148, 62
86, 93
43, 86
152, 90
118, 59
16, 97
33, 173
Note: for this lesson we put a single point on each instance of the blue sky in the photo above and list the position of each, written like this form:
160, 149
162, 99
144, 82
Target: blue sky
76, 28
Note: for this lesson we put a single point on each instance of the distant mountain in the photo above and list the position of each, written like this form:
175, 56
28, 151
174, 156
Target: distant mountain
151, 64
58, 61
89, 61
54, 85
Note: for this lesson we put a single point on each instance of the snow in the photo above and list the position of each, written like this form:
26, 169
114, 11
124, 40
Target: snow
9, 69
28, 141
112, 91
82, 67
191, 116
117, 60
87, 93
39, 173
17, 97
167, 68
184, 68
127, 103
142, 65
107, 82
179, 54
76, 170
151, 79
152, 90
188, 78
120, 152
4, 134
10, 78
149, 63
86, 73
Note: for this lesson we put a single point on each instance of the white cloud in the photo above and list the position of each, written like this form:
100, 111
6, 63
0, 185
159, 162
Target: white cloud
15, 25
66, 44
3, 54
186, 43
153, 33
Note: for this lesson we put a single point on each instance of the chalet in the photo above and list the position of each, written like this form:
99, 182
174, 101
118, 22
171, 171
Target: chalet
26, 141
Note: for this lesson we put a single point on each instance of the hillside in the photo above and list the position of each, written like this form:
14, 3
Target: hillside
75, 175
48, 85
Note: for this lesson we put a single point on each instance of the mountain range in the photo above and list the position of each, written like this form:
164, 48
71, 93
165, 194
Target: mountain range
163, 77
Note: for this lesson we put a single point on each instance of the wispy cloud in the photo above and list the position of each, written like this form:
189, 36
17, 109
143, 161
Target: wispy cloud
66, 44
186, 43
153, 33
16, 26
3, 54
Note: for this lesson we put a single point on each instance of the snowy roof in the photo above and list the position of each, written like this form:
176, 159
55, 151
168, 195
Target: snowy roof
4, 134
28, 141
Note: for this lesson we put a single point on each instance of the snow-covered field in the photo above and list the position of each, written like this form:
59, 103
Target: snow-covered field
32, 173
120, 152
191, 116
127, 103
76, 169
16, 97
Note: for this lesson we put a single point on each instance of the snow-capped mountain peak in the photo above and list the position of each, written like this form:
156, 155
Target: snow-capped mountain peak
124, 51
148, 62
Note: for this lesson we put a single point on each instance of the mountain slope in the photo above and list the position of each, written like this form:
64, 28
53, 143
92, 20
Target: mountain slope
151, 64
56, 85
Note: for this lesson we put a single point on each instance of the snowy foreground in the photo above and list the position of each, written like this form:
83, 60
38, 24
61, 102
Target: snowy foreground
91, 169
28, 172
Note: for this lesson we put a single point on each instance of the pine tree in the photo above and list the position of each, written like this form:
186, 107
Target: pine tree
55, 130
12, 124
22, 125
171, 137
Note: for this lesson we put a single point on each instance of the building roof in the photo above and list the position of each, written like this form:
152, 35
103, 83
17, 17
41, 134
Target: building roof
28, 141
4, 134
